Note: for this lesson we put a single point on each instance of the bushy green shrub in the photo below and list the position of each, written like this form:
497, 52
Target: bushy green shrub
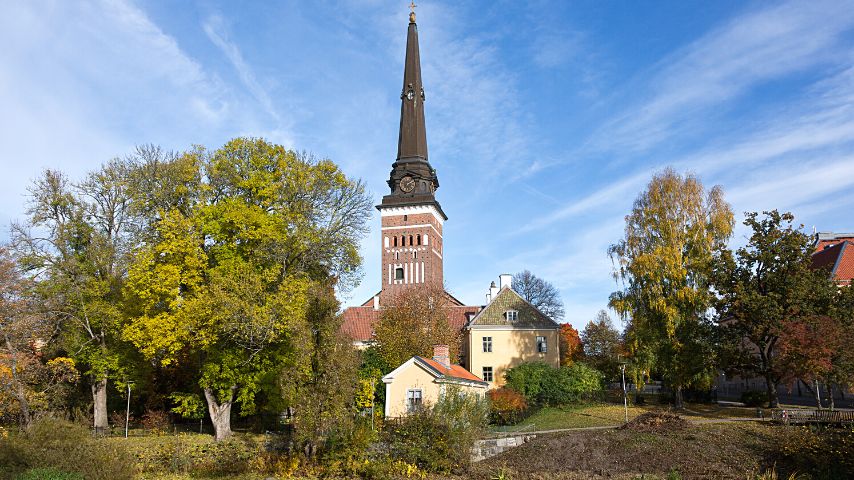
754, 398
542, 384
65, 447
440, 438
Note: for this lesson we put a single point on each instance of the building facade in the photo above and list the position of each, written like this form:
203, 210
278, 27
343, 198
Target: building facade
412, 241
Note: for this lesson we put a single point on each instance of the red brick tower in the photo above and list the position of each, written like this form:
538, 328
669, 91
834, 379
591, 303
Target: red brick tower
411, 217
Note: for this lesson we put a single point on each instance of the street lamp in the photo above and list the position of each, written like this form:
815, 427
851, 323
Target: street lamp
625, 396
127, 414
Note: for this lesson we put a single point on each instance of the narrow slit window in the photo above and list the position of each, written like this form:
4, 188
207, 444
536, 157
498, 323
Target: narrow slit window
418, 239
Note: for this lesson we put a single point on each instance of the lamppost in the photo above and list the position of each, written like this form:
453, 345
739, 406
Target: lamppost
625, 395
127, 414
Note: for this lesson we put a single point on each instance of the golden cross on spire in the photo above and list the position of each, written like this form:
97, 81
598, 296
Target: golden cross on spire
412, 6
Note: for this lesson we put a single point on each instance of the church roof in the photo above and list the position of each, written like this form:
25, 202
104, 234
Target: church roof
527, 315
358, 322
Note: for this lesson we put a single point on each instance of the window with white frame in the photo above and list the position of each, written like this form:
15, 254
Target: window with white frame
487, 344
413, 400
542, 345
487, 374
511, 315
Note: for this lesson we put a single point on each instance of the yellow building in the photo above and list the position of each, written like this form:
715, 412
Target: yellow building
506, 332
421, 381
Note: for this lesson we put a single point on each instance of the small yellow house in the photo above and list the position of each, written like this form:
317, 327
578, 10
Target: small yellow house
509, 331
421, 381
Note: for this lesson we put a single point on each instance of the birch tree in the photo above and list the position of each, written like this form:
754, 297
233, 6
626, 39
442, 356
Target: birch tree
664, 263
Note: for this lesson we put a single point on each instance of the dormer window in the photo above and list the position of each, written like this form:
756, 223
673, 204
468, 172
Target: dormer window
511, 315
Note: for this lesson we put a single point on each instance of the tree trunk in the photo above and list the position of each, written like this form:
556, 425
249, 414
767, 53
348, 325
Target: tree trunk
830, 396
220, 413
771, 386
678, 404
817, 394
99, 401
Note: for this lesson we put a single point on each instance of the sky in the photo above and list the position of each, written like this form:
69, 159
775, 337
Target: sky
545, 120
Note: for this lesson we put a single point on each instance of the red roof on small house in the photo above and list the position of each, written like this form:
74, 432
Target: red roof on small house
455, 371
838, 259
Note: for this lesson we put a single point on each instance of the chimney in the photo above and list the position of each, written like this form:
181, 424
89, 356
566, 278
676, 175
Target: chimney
376, 302
441, 355
493, 291
505, 280
488, 298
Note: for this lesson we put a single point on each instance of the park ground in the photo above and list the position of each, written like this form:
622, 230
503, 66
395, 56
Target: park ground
711, 441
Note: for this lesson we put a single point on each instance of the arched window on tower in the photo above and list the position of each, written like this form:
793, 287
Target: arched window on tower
395, 241
418, 239
403, 240
410, 241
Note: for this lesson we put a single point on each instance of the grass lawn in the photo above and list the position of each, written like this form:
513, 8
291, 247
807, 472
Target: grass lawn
600, 415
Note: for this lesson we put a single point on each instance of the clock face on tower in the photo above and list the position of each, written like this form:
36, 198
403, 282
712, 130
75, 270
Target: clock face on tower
407, 184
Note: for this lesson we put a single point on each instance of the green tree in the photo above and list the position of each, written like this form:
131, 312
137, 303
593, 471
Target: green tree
223, 282
766, 287
664, 263
602, 344
319, 383
76, 242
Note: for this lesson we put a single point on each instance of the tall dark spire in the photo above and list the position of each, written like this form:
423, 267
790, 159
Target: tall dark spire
412, 141
412, 180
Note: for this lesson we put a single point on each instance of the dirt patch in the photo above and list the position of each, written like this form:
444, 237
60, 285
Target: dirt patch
719, 451
657, 422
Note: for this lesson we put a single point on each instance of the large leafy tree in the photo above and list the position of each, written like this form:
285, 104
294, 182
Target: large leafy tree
319, 383
664, 262
767, 290
539, 293
412, 321
222, 281
602, 344
75, 243
29, 383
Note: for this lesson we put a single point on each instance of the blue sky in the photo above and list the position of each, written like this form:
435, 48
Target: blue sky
544, 119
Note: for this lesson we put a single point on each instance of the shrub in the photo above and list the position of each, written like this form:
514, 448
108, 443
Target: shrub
49, 474
754, 398
65, 447
440, 438
542, 384
155, 420
507, 406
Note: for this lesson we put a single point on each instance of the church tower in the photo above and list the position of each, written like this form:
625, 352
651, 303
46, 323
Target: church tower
412, 219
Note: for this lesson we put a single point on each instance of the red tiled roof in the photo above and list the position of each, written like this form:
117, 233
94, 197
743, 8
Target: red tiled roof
458, 315
824, 240
359, 323
838, 260
455, 371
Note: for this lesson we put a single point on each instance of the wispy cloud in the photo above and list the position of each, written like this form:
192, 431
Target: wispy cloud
724, 64
217, 31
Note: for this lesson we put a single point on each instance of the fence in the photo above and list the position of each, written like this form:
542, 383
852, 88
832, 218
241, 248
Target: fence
802, 416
